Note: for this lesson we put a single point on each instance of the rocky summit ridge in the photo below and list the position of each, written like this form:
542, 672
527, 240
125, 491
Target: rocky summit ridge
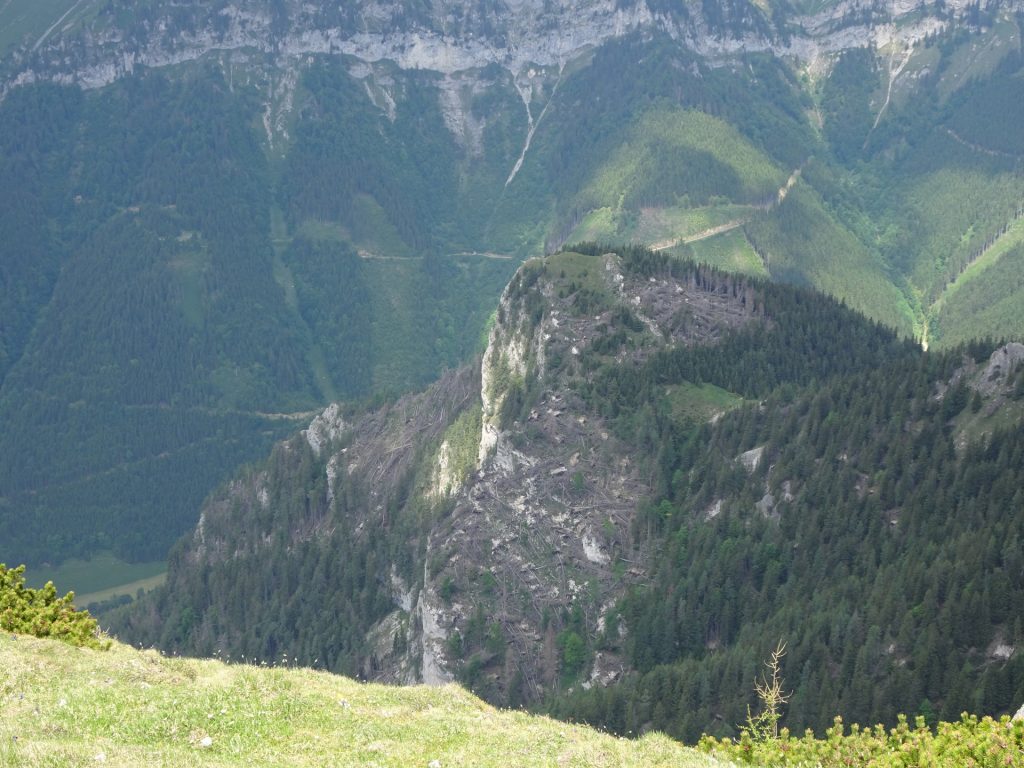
522, 36
549, 524
520, 499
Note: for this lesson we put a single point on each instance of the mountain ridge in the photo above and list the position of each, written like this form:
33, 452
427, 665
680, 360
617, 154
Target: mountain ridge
517, 526
293, 229
523, 36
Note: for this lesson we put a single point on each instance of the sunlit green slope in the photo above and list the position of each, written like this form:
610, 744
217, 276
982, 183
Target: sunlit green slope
66, 706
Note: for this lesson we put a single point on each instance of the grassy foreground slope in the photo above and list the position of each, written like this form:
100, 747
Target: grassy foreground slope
65, 706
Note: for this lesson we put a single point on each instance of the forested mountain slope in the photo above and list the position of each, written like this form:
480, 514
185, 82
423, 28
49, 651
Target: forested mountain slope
218, 218
161, 326
660, 470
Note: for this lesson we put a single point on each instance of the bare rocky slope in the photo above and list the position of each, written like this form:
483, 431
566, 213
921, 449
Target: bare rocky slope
549, 507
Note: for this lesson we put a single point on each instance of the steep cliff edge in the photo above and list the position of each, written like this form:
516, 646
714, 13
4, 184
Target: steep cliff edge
453, 37
541, 538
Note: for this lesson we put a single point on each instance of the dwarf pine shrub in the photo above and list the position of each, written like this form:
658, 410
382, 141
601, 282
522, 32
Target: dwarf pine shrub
981, 743
41, 613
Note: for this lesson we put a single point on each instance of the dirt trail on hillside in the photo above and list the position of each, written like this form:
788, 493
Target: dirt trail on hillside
977, 147
371, 256
704, 234
728, 226
484, 255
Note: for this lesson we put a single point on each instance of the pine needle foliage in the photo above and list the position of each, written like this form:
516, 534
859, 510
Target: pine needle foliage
983, 742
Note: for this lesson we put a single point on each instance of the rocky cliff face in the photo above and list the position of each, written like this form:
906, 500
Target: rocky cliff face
544, 527
522, 36
508, 500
